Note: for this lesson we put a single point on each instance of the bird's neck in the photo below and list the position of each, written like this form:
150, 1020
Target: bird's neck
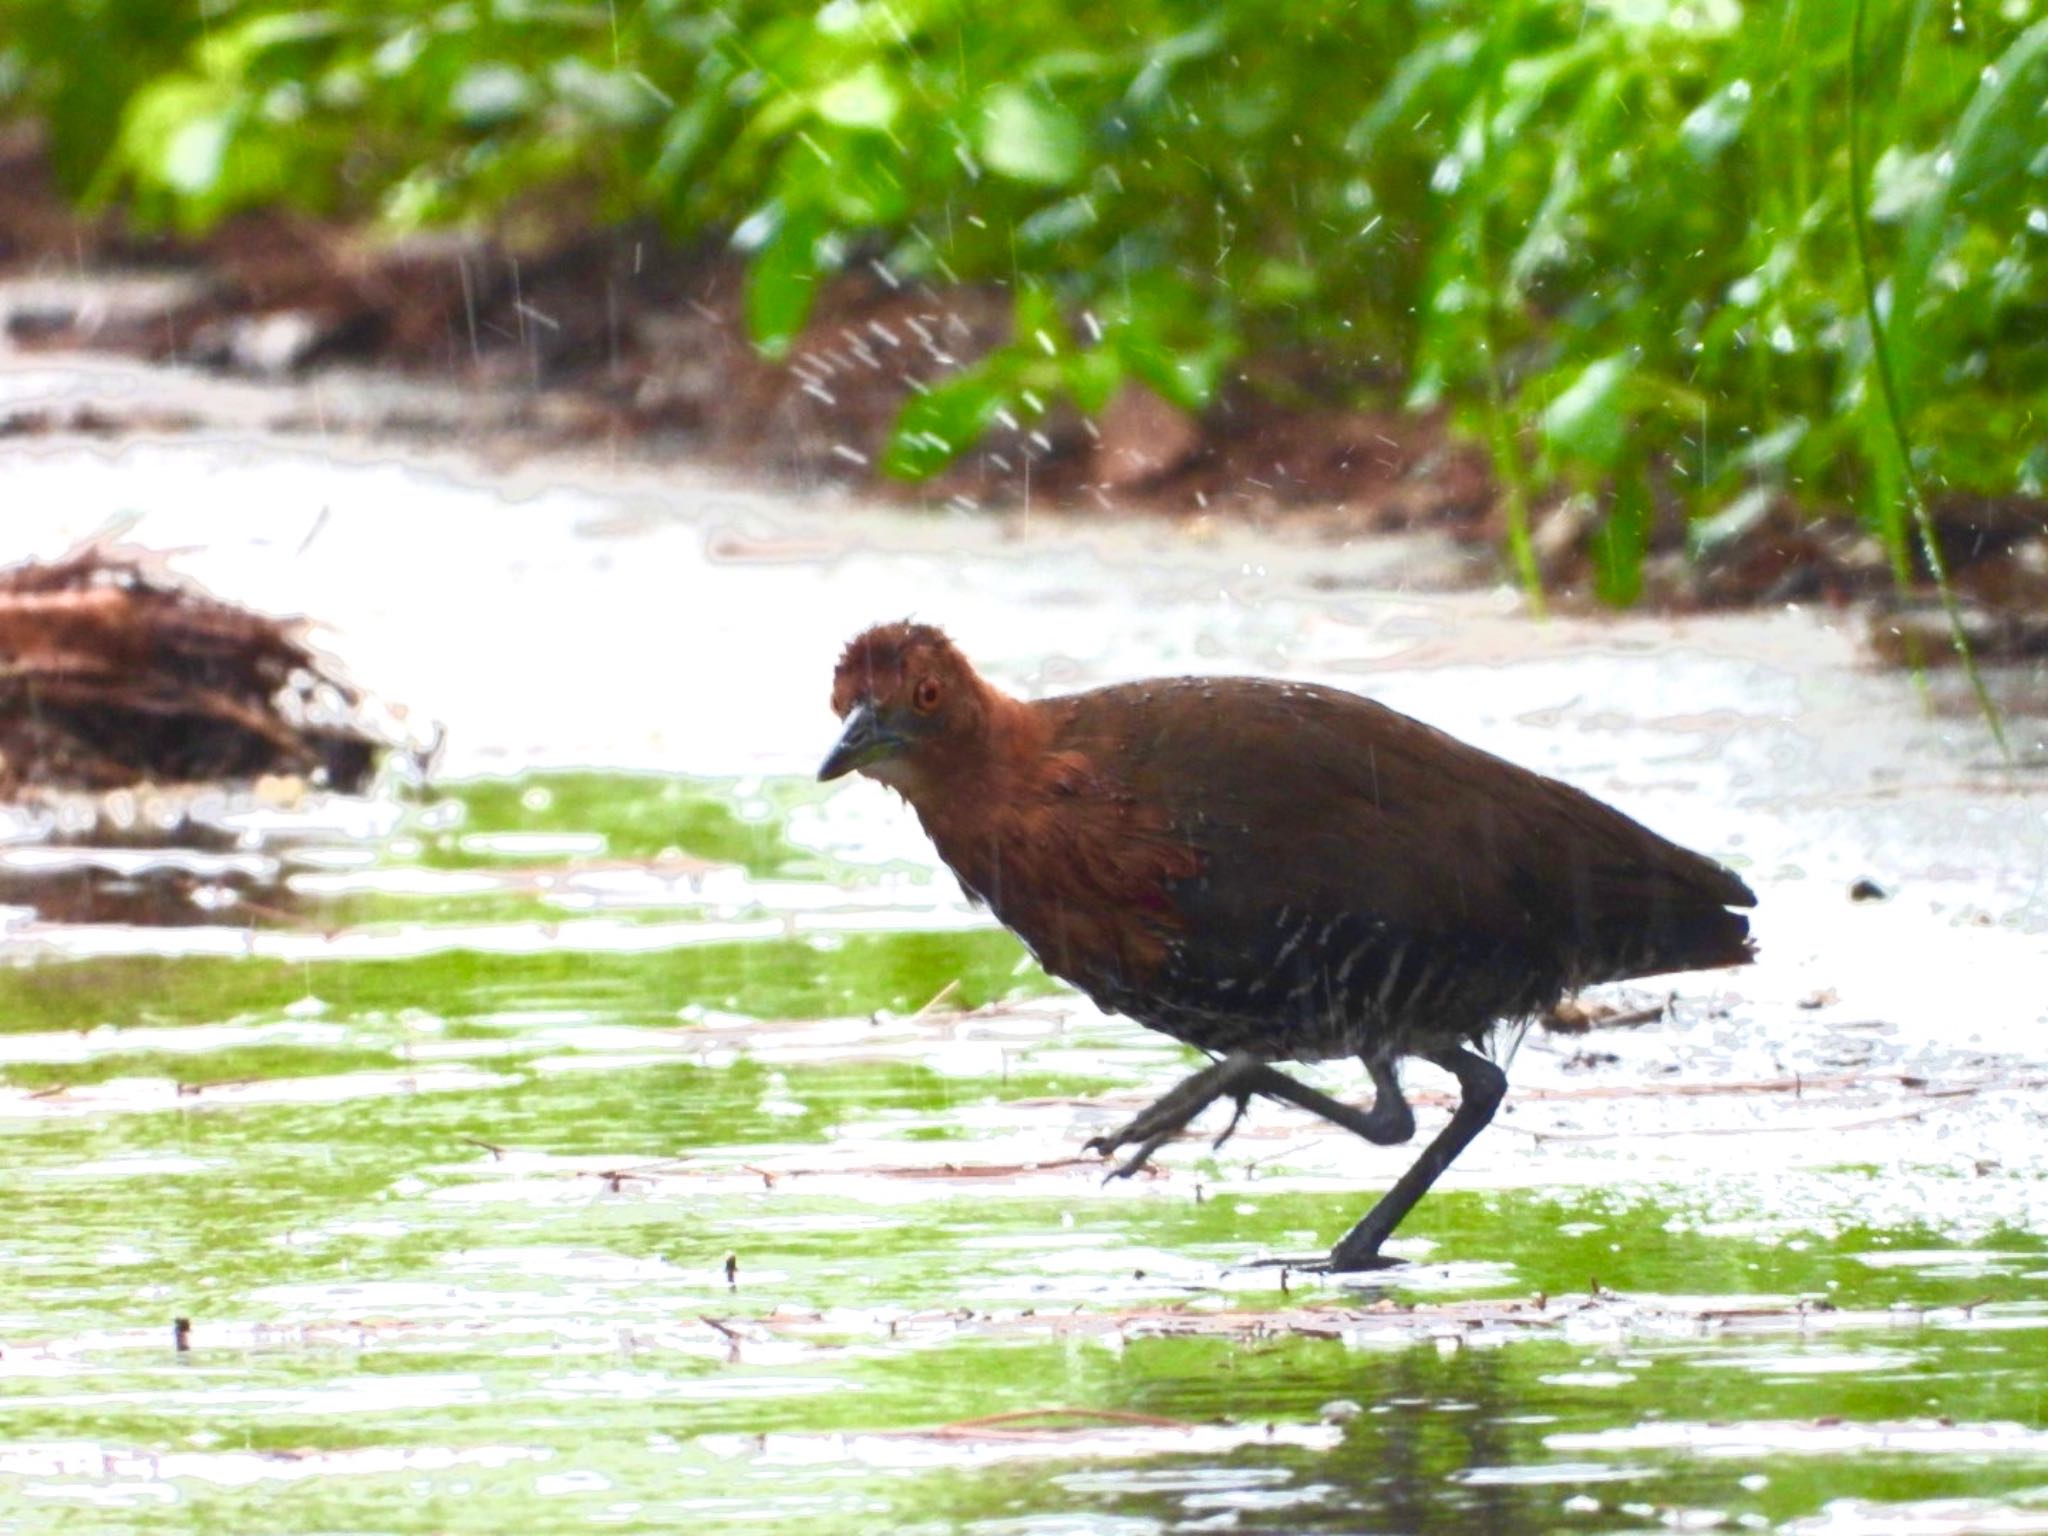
969, 796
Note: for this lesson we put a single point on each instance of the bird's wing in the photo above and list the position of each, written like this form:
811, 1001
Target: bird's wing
1311, 798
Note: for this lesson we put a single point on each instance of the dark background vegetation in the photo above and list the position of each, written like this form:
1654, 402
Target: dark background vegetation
1680, 271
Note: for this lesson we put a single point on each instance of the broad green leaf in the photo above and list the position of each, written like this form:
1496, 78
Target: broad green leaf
490, 94
1057, 221
1164, 57
1716, 122
1742, 514
1420, 69
937, 426
1093, 378
1696, 18
175, 134
863, 187
418, 202
1035, 319
867, 98
230, 51
1277, 281
1588, 422
1622, 538
782, 283
1025, 137
1997, 138
1185, 376
195, 154
684, 140
609, 96
1902, 183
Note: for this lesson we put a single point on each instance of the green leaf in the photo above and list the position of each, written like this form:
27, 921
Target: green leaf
1995, 140
489, 95
684, 140
863, 185
195, 154
1093, 378
1027, 138
1058, 221
1623, 537
1419, 69
782, 283
1743, 514
1149, 85
608, 96
1588, 422
229, 52
1035, 319
1184, 376
939, 425
867, 99
1716, 122
1277, 281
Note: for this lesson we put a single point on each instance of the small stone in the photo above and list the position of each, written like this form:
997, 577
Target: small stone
1867, 889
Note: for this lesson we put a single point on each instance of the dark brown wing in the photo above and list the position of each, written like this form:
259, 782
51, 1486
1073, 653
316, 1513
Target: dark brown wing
1349, 848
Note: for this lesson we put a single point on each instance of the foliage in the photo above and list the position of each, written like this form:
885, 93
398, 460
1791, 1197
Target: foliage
1613, 239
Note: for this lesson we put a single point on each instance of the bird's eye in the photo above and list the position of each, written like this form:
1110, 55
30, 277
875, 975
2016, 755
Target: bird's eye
925, 698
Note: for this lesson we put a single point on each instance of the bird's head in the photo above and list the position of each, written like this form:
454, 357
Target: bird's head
913, 706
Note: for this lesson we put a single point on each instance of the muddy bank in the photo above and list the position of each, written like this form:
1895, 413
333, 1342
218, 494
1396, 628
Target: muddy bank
649, 339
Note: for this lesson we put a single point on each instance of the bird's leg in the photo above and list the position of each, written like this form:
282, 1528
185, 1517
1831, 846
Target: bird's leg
1387, 1124
1483, 1086
1240, 1075
1167, 1116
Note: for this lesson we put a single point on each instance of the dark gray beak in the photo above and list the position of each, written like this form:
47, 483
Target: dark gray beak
865, 740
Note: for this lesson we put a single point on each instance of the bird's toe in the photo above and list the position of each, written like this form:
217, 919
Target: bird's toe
1326, 1264
1139, 1158
1347, 1259
1152, 1129
1243, 1103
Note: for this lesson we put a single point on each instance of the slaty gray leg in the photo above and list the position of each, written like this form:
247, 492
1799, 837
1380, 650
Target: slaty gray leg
1483, 1085
1240, 1075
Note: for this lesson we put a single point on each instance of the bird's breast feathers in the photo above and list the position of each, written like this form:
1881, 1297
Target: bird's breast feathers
1078, 867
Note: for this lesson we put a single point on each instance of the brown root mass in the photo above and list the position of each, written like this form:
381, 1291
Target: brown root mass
113, 674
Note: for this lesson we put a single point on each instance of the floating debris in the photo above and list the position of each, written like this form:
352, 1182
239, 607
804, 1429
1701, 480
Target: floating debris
1575, 1016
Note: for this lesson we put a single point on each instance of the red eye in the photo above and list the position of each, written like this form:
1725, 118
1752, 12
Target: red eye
926, 698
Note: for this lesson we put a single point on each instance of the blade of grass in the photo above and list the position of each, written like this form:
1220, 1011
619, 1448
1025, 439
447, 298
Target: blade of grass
1894, 418
1500, 432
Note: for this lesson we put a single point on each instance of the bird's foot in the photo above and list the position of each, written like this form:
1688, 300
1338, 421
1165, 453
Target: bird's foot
1327, 1264
1299, 1263
1244, 1102
1158, 1123
1356, 1254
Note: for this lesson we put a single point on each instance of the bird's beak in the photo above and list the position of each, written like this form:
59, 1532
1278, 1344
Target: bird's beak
865, 740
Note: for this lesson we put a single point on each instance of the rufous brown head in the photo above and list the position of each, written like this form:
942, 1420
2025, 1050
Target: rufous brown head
907, 696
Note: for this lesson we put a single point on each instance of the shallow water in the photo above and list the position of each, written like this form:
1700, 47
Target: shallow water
440, 1116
